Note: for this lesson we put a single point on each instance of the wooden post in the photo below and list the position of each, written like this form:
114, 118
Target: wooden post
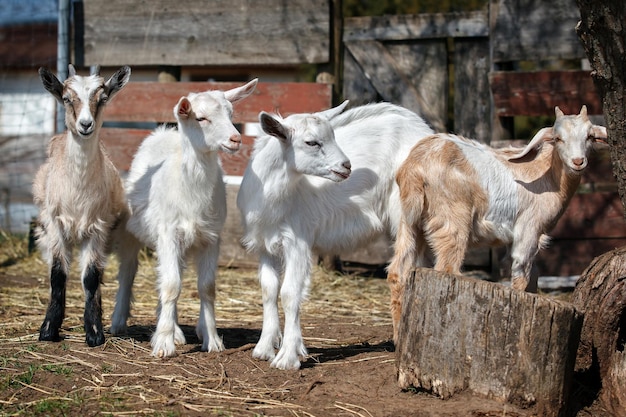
460, 333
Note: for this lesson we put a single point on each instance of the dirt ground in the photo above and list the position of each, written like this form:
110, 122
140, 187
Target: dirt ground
346, 326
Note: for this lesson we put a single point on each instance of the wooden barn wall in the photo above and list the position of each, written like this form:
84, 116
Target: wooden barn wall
200, 32
528, 30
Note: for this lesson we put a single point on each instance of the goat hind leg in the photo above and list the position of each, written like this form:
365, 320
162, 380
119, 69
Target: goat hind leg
206, 266
128, 251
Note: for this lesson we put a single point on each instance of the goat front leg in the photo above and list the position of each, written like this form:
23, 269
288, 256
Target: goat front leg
206, 266
269, 278
523, 252
293, 291
55, 313
169, 270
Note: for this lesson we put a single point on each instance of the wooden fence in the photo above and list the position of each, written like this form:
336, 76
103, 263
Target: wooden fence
474, 73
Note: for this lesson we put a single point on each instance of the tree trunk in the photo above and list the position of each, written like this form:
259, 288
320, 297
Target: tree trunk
459, 333
601, 359
602, 30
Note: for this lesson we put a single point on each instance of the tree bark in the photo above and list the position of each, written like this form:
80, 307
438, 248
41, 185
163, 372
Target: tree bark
602, 30
601, 358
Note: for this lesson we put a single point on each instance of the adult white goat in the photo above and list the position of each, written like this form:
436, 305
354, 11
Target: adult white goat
79, 195
290, 209
177, 198
457, 193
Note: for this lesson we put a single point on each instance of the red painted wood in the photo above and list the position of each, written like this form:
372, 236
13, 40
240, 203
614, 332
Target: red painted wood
154, 101
537, 93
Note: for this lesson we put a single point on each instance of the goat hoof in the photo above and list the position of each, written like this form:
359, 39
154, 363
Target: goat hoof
49, 336
94, 339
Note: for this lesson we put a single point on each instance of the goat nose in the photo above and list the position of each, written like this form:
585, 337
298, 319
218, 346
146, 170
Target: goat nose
347, 165
86, 124
235, 138
578, 161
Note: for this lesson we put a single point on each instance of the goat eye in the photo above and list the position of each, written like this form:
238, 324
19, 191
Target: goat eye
67, 99
313, 143
557, 139
202, 119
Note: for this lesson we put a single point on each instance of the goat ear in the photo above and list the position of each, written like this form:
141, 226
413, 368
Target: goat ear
71, 71
272, 126
95, 70
183, 109
117, 81
543, 135
599, 133
51, 83
242, 92
330, 113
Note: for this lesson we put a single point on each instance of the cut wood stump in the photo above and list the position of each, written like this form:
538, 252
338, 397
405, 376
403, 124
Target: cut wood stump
459, 333
601, 294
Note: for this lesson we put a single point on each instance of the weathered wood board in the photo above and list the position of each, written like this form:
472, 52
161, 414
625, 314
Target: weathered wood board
459, 333
197, 32
534, 29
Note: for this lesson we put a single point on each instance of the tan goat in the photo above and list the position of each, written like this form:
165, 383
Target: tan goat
457, 193
80, 197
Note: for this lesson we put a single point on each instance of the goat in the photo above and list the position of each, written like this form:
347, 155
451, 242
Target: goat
290, 208
457, 193
80, 197
177, 199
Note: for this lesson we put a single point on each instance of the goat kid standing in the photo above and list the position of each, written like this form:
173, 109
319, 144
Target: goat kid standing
321, 182
80, 197
177, 198
456, 193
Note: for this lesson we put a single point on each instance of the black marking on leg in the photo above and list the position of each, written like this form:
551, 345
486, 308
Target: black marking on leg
94, 333
49, 330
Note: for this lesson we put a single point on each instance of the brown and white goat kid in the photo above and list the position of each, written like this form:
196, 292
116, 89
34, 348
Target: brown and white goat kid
456, 193
80, 197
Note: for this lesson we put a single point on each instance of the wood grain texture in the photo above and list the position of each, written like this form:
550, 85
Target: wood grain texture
422, 26
197, 32
459, 334
534, 29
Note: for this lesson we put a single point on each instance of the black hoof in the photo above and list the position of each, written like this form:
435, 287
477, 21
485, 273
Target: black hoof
94, 339
46, 334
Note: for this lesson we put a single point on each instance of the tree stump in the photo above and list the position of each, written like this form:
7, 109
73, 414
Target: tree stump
601, 294
460, 333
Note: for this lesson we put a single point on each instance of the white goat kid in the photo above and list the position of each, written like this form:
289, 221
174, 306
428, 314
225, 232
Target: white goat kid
456, 193
290, 209
79, 195
177, 198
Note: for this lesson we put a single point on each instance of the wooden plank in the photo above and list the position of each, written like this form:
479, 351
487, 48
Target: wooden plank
422, 26
223, 32
537, 93
154, 102
591, 216
122, 144
520, 30
459, 333
382, 71
472, 95
28, 45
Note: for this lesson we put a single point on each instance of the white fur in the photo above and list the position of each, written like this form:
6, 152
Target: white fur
294, 201
177, 198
